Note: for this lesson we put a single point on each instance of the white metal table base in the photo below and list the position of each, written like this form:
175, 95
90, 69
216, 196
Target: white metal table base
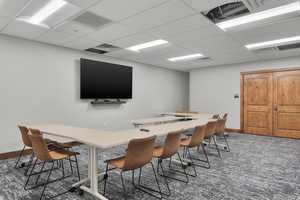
92, 175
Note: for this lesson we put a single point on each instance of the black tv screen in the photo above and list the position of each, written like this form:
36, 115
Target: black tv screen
101, 80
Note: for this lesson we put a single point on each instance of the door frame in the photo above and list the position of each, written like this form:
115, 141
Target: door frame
242, 74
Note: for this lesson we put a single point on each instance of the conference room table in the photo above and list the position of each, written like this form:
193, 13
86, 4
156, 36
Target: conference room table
106, 139
155, 120
171, 117
188, 115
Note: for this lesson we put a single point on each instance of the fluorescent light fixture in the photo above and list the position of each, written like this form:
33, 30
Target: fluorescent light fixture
187, 57
154, 43
272, 43
289, 8
44, 13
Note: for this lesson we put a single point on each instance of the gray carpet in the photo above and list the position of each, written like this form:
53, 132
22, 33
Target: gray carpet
257, 168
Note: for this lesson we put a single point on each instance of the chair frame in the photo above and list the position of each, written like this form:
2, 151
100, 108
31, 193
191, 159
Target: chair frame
60, 165
138, 186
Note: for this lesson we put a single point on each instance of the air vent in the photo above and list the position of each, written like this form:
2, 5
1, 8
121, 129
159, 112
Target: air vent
271, 50
289, 47
103, 48
98, 51
92, 20
226, 11
108, 47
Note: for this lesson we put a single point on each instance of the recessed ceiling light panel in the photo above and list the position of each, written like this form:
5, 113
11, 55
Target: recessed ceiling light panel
273, 43
263, 15
47, 13
146, 45
186, 57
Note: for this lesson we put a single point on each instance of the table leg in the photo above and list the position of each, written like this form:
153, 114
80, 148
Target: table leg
92, 175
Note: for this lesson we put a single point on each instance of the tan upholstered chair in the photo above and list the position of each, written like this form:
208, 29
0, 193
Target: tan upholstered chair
168, 150
138, 154
27, 144
195, 140
216, 116
211, 134
43, 154
225, 116
220, 131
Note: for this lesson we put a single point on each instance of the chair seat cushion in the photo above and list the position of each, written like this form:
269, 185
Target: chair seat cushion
185, 142
59, 154
158, 151
117, 162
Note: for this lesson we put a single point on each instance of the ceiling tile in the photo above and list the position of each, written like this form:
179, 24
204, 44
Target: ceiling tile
84, 3
167, 12
180, 26
133, 40
111, 32
54, 37
202, 37
10, 8
206, 5
271, 32
81, 43
24, 30
117, 10
171, 51
75, 28
3, 22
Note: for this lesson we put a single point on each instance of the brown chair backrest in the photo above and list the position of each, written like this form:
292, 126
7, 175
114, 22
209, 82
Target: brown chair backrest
187, 112
39, 146
225, 116
172, 144
197, 136
220, 126
211, 128
35, 131
25, 137
139, 153
216, 116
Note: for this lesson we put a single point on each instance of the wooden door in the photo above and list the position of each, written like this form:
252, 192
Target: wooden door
258, 103
287, 104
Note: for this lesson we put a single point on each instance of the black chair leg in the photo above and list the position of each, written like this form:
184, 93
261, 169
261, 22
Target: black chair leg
159, 164
204, 151
105, 179
47, 182
218, 150
228, 149
71, 167
19, 157
42, 168
156, 179
63, 168
183, 167
123, 185
77, 168
29, 164
30, 174
192, 162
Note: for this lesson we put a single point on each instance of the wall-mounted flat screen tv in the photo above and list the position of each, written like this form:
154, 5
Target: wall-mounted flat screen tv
101, 80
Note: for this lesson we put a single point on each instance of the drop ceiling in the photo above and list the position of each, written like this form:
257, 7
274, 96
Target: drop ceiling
132, 22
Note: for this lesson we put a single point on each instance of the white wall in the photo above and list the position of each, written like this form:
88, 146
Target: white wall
39, 83
212, 89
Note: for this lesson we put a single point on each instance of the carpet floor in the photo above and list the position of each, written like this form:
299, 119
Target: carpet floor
257, 168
